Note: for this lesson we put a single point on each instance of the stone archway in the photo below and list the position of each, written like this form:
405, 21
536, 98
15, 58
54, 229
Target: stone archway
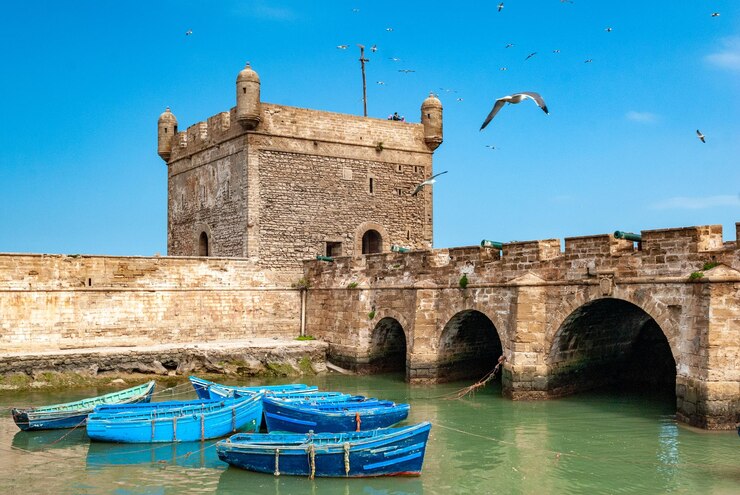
469, 347
387, 351
610, 343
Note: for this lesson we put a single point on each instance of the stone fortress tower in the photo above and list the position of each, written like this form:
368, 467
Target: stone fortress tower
279, 184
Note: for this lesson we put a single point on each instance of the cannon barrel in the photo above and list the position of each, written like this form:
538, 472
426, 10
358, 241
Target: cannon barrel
324, 258
491, 244
628, 236
399, 249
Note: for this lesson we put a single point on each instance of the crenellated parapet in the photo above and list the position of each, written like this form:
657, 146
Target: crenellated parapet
665, 253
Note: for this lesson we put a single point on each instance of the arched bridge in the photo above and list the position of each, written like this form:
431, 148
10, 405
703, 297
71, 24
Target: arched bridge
663, 313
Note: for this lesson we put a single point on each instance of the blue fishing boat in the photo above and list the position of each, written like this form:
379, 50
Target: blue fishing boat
202, 388
175, 421
385, 452
71, 414
302, 417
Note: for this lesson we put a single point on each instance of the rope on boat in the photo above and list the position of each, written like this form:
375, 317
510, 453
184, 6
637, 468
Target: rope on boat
358, 421
69, 432
277, 462
346, 458
311, 460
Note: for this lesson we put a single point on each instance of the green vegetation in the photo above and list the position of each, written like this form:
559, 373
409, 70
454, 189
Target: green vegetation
379, 146
305, 366
352, 285
371, 315
696, 275
305, 337
280, 369
464, 281
302, 283
709, 265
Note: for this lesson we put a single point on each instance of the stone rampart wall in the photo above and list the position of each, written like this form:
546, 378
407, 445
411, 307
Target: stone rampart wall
57, 301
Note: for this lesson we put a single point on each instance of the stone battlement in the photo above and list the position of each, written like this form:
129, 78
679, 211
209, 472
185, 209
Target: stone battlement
302, 124
666, 252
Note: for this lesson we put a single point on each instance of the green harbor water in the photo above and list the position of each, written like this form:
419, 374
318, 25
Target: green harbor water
607, 442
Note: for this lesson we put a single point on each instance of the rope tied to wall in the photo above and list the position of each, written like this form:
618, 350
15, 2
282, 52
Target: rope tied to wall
480, 383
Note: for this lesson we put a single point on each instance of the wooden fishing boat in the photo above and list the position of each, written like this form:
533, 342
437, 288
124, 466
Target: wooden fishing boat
175, 421
384, 452
71, 414
202, 388
302, 417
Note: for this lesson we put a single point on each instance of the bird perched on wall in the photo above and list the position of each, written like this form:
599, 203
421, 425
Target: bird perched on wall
428, 182
515, 98
700, 136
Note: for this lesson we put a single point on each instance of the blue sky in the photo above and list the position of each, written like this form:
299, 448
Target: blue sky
84, 82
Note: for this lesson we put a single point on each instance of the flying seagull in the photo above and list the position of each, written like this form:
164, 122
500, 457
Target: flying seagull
389, 29
342, 47
500, 6
715, 14
556, 51
503, 68
381, 83
188, 32
700, 135
530, 56
459, 99
588, 61
394, 59
374, 48
406, 71
491, 146
509, 45
608, 30
428, 182
515, 98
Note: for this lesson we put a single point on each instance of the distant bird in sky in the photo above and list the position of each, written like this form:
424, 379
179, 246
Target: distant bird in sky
700, 136
588, 61
556, 51
381, 83
406, 71
491, 146
428, 182
355, 10
374, 48
515, 98
509, 45
342, 47
188, 32
608, 30
394, 59
389, 29
500, 6
459, 99
530, 55
566, 1
503, 68
715, 14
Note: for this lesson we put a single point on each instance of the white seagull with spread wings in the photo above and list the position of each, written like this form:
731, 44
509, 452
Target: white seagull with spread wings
515, 98
428, 182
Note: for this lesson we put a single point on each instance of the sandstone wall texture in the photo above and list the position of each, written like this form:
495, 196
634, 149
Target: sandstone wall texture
278, 193
566, 321
62, 302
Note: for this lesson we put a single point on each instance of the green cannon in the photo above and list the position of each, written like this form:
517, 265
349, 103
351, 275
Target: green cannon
325, 258
618, 234
399, 249
492, 244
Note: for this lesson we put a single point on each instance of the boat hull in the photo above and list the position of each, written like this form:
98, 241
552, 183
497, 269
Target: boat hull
191, 421
390, 452
203, 388
72, 414
338, 417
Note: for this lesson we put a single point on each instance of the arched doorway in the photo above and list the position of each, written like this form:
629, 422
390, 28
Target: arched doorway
203, 245
469, 347
372, 242
610, 343
387, 347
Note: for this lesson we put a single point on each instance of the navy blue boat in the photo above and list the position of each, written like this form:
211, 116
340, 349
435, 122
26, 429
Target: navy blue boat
385, 452
303, 416
175, 421
203, 388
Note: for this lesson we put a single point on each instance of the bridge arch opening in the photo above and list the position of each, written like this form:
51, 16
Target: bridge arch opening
387, 347
611, 343
469, 347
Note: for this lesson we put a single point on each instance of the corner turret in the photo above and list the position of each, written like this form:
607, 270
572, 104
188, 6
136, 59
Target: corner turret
248, 98
166, 129
431, 117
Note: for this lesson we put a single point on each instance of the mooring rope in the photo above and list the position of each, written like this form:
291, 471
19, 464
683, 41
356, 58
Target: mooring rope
346, 458
311, 460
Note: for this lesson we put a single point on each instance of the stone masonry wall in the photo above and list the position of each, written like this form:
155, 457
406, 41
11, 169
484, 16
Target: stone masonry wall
57, 301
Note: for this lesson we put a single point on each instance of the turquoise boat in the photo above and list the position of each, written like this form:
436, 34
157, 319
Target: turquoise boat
203, 388
72, 414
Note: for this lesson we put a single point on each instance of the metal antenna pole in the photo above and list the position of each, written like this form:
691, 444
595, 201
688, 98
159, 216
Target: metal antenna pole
364, 84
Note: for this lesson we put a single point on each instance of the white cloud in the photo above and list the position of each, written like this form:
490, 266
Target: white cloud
686, 203
728, 57
645, 117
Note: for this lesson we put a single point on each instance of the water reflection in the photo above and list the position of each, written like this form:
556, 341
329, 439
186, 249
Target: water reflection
37, 441
233, 480
184, 454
